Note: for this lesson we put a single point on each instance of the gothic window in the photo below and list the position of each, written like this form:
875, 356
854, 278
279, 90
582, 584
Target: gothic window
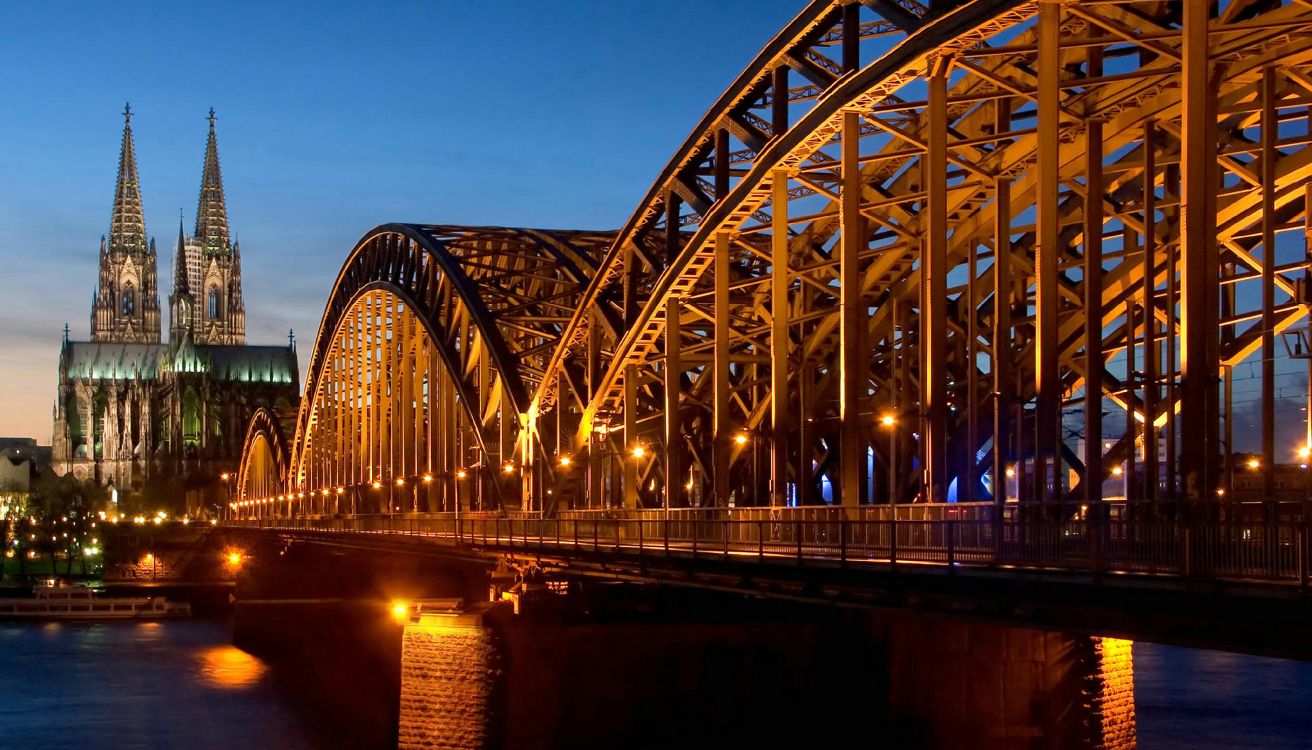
129, 299
213, 304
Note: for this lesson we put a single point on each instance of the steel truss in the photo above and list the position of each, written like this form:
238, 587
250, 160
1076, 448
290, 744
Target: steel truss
990, 250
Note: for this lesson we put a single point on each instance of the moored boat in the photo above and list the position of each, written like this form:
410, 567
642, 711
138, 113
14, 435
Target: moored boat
58, 601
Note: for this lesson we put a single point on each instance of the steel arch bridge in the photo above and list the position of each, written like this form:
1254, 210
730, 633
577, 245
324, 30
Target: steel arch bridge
984, 250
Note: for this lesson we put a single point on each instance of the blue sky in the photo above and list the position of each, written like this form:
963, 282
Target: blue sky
333, 118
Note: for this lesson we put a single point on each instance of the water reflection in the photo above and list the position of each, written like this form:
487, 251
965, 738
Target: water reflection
1112, 693
229, 668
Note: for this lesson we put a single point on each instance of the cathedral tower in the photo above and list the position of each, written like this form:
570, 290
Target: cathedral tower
212, 262
181, 303
126, 304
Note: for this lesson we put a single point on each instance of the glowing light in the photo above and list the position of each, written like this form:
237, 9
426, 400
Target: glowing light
400, 611
139, 519
324, 492
234, 559
92, 551
639, 451
565, 461
1011, 472
377, 484
1254, 464
214, 522
888, 420
1117, 471
230, 668
340, 490
1220, 492
148, 558
1305, 453
157, 521
461, 473
224, 476
400, 482
428, 478
508, 468
740, 438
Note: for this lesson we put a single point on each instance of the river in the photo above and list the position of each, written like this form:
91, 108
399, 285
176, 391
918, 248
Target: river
180, 684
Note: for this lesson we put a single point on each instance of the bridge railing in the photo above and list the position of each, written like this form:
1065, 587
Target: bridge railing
1265, 542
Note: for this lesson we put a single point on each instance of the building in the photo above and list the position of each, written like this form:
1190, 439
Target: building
136, 412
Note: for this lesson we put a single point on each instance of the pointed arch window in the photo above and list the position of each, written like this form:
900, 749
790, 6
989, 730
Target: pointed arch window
212, 304
129, 306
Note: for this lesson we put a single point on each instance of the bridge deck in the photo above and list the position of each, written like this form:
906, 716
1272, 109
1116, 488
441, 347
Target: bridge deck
1260, 547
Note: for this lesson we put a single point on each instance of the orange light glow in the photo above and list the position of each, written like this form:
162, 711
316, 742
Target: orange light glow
234, 558
377, 484
888, 420
1117, 471
229, 667
565, 461
428, 478
639, 451
400, 611
1254, 464
740, 438
224, 476
508, 468
400, 482
340, 490
461, 474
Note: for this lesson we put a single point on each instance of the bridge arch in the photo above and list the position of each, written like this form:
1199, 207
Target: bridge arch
985, 250
418, 379
871, 282
263, 468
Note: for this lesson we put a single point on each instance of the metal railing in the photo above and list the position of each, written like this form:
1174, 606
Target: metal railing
1261, 542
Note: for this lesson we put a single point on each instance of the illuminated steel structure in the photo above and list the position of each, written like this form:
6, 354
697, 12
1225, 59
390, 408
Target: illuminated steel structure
910, 250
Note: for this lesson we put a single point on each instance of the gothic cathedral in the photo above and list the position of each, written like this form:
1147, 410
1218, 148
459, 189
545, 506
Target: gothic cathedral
133, 412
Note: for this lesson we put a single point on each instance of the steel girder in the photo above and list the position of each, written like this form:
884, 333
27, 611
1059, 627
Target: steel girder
918, 248
973, 129
416, 310
264, 458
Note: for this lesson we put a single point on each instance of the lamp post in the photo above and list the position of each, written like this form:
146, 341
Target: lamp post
889, 422
223, 479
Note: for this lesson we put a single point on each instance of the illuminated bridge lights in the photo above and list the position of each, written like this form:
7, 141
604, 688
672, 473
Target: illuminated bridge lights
984, 218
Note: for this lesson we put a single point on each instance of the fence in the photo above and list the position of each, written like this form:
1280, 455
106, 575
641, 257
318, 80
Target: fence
1249, 541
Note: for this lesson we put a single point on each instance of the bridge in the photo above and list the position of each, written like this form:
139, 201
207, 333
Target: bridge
986, 292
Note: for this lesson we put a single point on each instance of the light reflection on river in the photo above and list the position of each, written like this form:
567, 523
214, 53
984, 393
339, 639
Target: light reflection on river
181, 684
138, 685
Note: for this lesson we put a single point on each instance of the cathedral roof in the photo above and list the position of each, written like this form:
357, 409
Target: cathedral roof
96, 360
127, 227
254, 364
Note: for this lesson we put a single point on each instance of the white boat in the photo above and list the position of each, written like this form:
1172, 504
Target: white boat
57, 601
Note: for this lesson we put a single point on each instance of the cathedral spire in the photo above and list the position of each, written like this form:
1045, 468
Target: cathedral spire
180, 283
127, 228
212, 214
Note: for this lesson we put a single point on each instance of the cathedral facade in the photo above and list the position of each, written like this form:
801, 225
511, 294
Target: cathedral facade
135, 411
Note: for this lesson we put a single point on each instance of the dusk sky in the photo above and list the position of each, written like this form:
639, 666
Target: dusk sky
332, 119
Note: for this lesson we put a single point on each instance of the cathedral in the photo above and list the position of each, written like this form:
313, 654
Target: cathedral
156, 418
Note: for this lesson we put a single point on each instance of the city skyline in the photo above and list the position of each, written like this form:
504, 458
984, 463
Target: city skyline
315, 156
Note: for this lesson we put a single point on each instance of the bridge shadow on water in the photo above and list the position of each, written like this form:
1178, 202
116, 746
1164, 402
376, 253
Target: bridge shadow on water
616, 665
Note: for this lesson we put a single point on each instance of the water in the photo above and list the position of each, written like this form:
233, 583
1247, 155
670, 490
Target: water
180, 684
1188, 699
154, 686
